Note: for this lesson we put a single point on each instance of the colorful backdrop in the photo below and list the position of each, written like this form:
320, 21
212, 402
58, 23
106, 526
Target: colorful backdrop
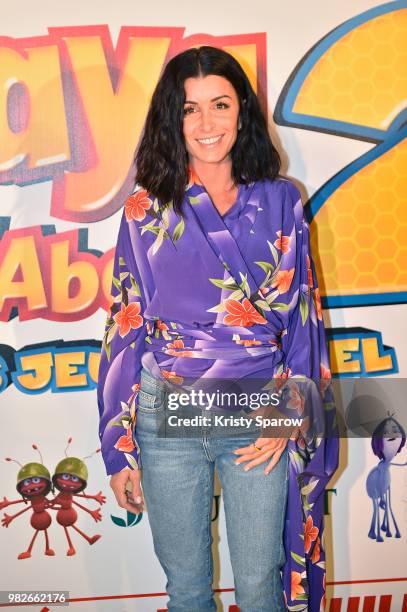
76, 79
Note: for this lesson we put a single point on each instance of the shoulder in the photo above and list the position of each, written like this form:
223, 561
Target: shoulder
283, 195
282, 187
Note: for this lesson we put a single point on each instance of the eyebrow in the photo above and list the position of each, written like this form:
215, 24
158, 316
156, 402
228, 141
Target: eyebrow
213, 99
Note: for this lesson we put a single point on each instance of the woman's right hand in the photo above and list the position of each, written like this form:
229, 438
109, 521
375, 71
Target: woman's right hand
126, 486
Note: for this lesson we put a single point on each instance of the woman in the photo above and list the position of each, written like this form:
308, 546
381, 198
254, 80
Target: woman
213, 280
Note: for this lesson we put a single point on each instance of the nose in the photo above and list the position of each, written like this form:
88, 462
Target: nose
206, 120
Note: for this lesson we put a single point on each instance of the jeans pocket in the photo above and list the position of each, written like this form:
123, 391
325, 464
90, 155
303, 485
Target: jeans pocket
150, 401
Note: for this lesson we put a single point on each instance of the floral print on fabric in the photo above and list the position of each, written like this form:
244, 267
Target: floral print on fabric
237, 296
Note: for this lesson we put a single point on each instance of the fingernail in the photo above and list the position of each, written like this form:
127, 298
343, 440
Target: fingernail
138, 500
246, 469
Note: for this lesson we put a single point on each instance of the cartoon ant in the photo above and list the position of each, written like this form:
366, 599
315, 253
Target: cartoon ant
388, 439
34, 484
71, 477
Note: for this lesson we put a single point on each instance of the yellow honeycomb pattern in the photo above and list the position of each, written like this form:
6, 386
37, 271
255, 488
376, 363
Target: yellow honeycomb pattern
359, 235
362, 77
360, 242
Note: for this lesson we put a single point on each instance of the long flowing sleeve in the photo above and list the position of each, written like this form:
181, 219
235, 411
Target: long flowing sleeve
304, 343
314, 454
122, 348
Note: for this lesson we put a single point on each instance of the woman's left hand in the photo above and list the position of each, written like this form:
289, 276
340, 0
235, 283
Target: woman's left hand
267, 447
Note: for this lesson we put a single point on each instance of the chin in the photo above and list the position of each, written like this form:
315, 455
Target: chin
212, 157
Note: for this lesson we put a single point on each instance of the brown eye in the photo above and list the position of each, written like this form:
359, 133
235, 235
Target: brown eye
222, 105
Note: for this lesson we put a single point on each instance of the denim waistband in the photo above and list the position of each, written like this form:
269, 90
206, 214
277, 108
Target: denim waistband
160, 388
153, 384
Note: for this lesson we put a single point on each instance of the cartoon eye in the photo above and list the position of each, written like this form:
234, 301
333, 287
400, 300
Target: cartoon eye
74, 479
65, 476
36, 480
27, 481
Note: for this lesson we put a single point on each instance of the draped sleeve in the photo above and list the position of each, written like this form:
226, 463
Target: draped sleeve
122, 348
307, 387
303, 340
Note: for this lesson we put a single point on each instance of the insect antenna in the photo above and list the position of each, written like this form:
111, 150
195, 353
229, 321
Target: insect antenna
91, 455
15, 460
67, 446
35, 447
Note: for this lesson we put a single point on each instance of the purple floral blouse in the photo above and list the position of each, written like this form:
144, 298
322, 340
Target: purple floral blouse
231, 296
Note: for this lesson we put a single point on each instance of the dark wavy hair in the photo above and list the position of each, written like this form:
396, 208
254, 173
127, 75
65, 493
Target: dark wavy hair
162, 159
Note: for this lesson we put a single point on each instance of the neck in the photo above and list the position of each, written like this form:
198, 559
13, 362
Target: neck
216, 178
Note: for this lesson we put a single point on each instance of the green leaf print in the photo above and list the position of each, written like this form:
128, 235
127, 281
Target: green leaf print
262, 304
135, 286
116, 283
225, 284
158, 241
273, 251
280, 306
131, 460
244, 285
219, 308
307, 489
178, 231
304, 308
270, 297
265, 266
298, 559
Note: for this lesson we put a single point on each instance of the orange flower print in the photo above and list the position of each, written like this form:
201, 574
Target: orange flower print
300, 442
309, 271
282, 242
173, 377
296, 586
326, 378
248, 342
316, 553
317, 302
296, 401
283, 280
128, 318
161, 326
310, 533
242, 314
173, 349
193, 178
135, 389
136, 206
264, 290
125, 443
279, 379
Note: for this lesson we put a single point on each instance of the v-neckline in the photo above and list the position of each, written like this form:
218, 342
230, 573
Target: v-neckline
232, 206
195, 180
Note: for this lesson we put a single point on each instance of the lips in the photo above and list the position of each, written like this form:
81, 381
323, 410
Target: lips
209, 141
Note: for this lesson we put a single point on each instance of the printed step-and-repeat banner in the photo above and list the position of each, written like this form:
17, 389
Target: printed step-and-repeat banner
75, 84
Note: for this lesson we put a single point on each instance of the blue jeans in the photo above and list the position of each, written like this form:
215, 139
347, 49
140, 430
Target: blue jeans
177, 482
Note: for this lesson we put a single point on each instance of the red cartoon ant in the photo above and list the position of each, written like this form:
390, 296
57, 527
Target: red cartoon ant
71, 477
34, 484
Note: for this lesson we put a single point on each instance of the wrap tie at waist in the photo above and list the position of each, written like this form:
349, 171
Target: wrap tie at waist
212, 343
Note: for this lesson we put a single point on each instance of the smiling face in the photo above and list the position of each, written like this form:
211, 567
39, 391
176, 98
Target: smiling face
30, 487
391, 440
211, 115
